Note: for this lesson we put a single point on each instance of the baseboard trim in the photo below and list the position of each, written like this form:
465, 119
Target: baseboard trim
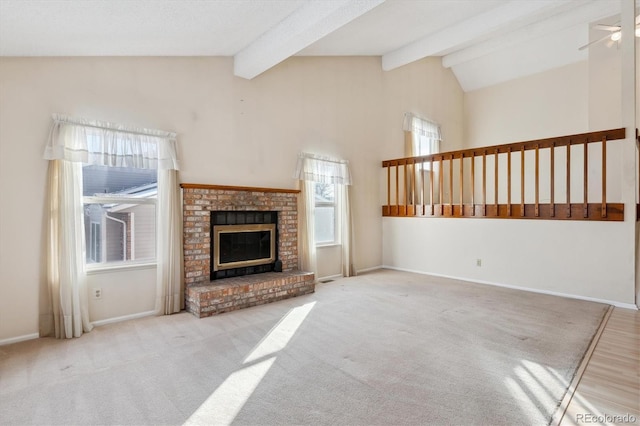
374, 268
329, 277
123, 318
17, 339
514, 287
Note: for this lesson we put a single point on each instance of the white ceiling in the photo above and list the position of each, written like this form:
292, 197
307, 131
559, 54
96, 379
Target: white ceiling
484, 41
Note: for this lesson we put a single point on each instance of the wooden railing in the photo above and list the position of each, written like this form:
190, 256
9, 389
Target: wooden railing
419, 186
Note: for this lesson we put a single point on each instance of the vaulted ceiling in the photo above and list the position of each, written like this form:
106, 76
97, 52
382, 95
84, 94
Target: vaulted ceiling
484, 41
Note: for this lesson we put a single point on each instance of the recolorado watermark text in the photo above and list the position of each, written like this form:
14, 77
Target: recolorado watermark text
605, 418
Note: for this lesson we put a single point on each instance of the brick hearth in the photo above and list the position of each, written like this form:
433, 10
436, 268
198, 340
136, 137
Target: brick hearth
235, 293
198, 202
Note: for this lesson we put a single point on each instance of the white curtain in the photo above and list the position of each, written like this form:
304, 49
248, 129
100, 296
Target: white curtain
316, 168
310, 169
346, 226
71, 142
109, 144
66, 277
169, 294
306, 221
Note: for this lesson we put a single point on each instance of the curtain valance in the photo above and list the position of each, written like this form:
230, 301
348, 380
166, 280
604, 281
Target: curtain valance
110, 144
422, 127
311, 167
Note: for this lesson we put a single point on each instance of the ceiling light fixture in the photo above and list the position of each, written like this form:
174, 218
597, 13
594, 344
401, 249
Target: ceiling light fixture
618, 34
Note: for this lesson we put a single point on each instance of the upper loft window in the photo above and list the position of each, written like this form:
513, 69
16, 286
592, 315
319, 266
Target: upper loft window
423, 136
119, 214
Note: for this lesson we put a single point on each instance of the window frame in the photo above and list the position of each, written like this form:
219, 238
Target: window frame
95, 241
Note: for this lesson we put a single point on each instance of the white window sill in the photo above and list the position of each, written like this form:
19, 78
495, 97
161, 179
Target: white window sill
327, 245
117, 267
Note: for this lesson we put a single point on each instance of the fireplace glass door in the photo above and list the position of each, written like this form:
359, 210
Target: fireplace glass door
237, 246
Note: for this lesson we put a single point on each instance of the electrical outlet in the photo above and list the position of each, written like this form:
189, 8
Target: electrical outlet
478, 262
97, 293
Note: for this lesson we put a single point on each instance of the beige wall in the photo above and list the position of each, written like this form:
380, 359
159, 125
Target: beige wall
231, 131
548, 104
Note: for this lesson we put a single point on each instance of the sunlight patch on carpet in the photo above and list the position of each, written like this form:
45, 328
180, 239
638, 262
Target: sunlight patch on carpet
279, 336
521, 396
224, 404
533, 387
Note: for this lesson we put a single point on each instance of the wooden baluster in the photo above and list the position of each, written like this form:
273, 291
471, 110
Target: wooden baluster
406, 189
552, 205
509, 182
389, 186
604, 177
422, 186
473, 184
537, 206
441, 186
431, 184
484, 183
585, 206
495, 183
414, 197
569, 179
398, 189
460, 184
451, 183
417, 198
522, 182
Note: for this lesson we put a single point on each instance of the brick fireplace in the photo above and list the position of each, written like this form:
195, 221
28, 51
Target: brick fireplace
204, 297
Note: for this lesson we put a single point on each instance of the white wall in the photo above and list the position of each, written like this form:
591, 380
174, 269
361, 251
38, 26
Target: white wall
329, 261
124, 292
231, 131
568, 257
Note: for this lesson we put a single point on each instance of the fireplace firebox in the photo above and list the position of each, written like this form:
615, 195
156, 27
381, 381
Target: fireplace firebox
243, 243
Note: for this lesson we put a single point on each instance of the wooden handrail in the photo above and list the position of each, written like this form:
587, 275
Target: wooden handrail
490, 207
577, 139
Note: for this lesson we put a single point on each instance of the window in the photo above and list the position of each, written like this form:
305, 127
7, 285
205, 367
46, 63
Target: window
325, 214
119, 214
423, 137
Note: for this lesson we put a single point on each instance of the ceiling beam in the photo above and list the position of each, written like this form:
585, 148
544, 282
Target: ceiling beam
465, 32
306, 25
576, 15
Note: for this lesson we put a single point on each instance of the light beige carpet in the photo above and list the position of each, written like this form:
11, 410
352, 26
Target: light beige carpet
384, 348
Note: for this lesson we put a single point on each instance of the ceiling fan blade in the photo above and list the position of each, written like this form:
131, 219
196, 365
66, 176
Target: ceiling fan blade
595, 41
611, 28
